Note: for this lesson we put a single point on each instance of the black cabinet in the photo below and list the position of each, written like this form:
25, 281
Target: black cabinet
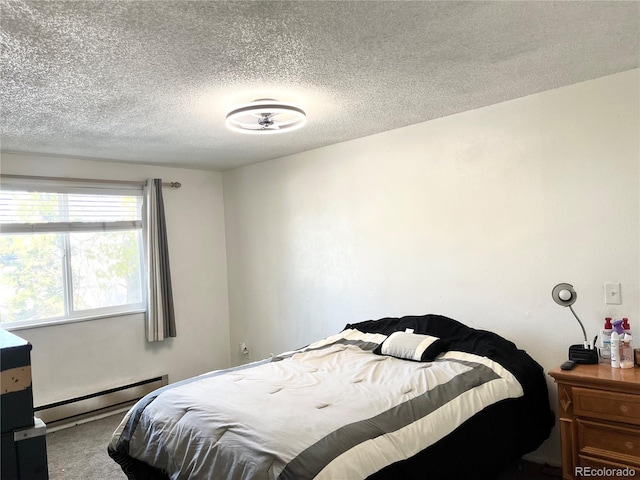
24, 449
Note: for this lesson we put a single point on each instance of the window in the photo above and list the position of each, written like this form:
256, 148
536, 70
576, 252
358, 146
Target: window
69, 252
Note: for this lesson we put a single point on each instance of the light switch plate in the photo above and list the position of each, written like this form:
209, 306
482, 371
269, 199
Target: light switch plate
612, 294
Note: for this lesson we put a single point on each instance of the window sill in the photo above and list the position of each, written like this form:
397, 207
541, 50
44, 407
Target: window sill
49, 323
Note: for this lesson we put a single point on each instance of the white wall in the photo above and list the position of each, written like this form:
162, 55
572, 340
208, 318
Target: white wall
475, 216
79, 358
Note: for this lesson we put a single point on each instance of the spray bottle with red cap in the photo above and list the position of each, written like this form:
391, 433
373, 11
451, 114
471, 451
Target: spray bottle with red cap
605, 341
626, 348
625, 325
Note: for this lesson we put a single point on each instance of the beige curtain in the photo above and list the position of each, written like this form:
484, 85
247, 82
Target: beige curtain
161, 323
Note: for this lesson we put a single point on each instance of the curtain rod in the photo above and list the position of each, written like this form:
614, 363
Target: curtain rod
88, 180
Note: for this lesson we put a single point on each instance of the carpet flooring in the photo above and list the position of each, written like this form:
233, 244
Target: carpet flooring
80, 453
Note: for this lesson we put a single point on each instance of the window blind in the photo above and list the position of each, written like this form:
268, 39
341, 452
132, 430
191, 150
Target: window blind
27, 210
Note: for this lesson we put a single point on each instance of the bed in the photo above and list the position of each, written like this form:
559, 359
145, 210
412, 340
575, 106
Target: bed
416, 397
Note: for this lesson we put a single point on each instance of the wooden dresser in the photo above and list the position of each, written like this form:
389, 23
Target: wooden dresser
599, 417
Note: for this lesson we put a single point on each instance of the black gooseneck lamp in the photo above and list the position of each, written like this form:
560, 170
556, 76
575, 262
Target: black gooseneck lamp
565, 296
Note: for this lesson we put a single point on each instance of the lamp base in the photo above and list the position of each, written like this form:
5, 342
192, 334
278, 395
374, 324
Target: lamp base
585, 356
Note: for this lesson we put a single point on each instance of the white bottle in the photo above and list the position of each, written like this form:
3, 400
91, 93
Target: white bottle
615, 350
605, 341
615, 343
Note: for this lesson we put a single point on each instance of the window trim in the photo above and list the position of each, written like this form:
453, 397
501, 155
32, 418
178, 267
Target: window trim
133, 309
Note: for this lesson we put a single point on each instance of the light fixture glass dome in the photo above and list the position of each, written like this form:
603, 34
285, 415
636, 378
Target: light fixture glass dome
265, 116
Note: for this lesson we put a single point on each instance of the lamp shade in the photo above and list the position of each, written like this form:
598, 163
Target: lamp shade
564, 294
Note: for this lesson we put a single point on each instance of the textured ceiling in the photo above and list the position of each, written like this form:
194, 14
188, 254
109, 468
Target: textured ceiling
151, 81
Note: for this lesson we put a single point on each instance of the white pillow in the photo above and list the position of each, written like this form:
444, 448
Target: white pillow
411, 346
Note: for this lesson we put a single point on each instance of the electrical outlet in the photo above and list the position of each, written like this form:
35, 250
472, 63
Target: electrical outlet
612, 294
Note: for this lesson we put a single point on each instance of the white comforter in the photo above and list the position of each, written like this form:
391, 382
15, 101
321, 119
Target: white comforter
333, 410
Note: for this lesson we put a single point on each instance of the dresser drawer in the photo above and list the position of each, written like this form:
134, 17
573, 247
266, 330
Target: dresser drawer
610, 442
602, 404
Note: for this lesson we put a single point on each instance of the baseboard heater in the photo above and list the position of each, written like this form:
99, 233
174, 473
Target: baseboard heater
93, 405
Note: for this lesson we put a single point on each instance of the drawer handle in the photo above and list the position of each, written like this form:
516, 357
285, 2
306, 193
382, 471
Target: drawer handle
624, 409
629, 445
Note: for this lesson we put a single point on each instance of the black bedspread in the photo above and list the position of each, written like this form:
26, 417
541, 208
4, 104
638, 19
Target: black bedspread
490, 441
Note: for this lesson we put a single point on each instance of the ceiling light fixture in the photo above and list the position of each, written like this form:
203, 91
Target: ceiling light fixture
266, 115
